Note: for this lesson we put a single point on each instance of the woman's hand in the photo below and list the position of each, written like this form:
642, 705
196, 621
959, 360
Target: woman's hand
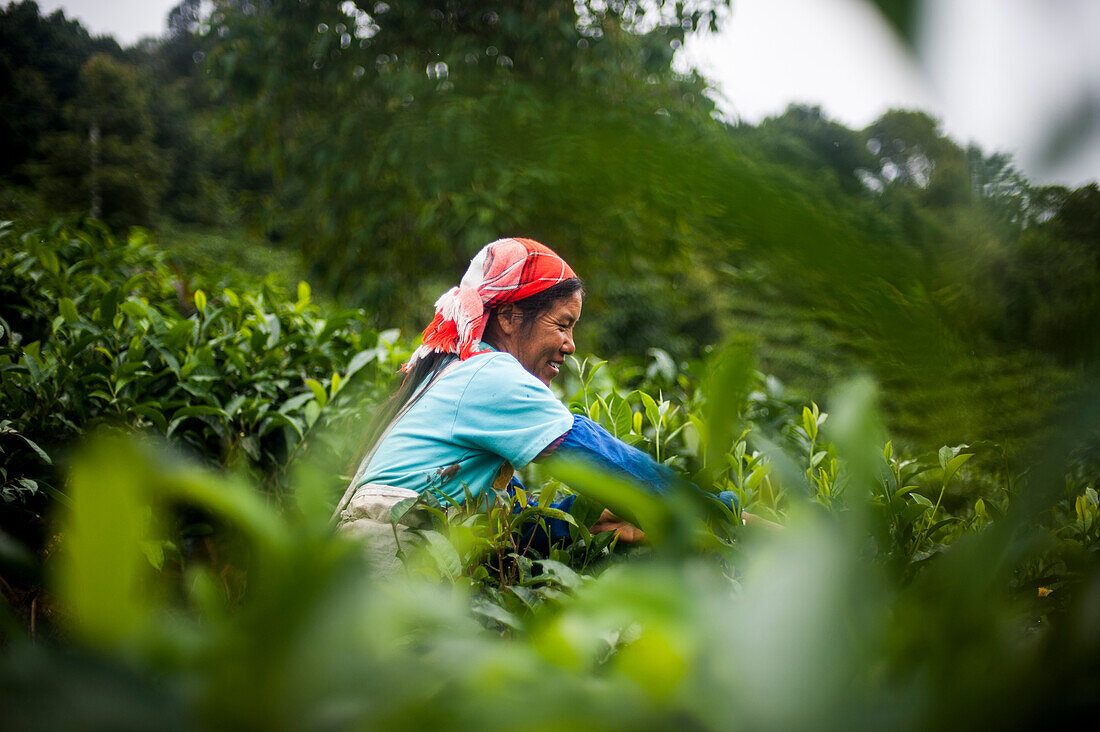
628, 533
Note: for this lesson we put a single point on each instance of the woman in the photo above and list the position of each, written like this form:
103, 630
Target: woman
475, 404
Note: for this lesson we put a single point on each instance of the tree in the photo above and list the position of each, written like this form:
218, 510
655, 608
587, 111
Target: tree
1062, 259
107, 165
804, 138
40, 62
912, 153
997, 181
183, 48
204, 166
403, 137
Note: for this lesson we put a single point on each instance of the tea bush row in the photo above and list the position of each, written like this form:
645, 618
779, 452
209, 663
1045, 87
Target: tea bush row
910, 590
100, 332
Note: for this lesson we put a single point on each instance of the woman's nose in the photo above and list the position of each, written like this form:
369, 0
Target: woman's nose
568, 347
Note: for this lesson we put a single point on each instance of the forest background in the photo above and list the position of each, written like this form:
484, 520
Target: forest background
370, 152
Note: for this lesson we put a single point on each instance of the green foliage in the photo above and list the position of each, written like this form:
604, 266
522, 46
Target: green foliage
803, 138
40, 62
274, 620
454, 126
100, 331
565, 122
912, 587
903, 15
107, 163
1059, 303
806, 628
233, 258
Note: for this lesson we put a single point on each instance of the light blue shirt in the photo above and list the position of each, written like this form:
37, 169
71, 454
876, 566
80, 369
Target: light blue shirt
481, 415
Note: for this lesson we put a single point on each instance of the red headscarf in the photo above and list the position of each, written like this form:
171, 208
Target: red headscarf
505, 271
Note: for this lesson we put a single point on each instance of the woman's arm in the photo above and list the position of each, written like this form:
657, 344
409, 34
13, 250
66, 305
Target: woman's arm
590, 442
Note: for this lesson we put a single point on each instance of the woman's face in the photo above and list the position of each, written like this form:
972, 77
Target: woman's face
542, 345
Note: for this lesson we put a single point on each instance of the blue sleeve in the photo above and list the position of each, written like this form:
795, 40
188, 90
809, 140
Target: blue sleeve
589, 441
506, 411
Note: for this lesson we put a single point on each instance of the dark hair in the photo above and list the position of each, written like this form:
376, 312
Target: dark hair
542, 302
530, 309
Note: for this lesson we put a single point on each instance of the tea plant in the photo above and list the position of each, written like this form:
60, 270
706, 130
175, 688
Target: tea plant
97, 331
806, 633
710, 624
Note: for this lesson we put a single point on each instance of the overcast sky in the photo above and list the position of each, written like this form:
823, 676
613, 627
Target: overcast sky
1008, 74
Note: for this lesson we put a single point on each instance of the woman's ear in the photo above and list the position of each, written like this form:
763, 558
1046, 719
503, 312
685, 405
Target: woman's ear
508, 319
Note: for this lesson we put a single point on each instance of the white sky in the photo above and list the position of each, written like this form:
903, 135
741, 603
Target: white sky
1003, 73
836, 53
127, 20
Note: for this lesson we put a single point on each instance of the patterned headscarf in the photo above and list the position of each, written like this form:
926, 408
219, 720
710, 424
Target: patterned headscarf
505, 271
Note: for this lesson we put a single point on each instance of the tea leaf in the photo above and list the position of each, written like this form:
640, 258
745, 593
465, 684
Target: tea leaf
68, 310
318, 392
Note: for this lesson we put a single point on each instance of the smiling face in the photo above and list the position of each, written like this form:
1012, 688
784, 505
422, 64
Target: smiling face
542, 343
